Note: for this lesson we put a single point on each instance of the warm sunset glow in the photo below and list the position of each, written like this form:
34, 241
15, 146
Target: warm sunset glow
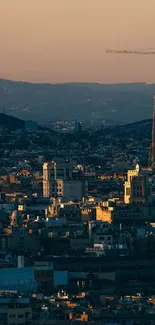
66, 40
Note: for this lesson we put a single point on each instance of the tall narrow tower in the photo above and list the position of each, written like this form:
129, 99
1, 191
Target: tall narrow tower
152, 153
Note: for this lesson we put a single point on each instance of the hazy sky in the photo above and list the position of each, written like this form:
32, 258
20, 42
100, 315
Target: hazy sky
65, 40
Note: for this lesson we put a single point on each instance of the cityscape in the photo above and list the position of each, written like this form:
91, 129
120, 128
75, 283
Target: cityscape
77, 223
77, 162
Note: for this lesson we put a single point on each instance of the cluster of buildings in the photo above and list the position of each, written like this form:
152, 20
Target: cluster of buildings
77, 242
68, 256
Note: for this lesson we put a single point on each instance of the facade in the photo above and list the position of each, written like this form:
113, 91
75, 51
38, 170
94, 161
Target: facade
58, 182
21, 240
138, 187
57, 188
53, 174
15, 311
127, 185
19, 279
75, 190
98, 213
49, 174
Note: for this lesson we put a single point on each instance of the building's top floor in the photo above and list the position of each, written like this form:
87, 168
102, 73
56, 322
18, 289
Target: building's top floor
48, 165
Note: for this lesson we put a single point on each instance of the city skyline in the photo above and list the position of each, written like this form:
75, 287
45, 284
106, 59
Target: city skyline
65, 41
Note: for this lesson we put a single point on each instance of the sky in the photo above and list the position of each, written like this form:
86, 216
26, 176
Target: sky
65, 40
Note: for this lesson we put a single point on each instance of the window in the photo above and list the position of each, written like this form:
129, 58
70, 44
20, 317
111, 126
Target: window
20, 316
127, 191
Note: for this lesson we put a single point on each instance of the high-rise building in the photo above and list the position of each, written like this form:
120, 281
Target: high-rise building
152, 149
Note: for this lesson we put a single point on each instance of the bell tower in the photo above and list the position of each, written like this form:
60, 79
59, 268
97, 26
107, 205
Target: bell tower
152, 148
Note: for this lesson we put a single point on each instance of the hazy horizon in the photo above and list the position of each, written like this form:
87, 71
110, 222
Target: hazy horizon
61, 41
77, 82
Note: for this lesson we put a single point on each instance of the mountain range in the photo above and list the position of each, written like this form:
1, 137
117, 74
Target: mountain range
121, 103
138, 130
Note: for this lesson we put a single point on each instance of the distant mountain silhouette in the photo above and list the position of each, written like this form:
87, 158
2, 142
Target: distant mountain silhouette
13, 123
140, 131
44, 102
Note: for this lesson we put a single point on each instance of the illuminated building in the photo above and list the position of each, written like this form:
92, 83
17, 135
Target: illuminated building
138, 187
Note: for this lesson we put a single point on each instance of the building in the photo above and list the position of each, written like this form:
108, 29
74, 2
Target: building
98, 213
58, 182
75, 190
21, 240
53, 174
15, 310
18, 279
138, 187
49, 175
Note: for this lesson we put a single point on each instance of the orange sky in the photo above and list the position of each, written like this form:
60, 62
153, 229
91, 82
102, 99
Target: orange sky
65, 40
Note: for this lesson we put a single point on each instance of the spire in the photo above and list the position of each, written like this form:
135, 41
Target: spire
152, 149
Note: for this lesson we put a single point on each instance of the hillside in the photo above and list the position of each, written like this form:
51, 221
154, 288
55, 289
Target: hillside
137, 130
140, 130
13, 123
43, 102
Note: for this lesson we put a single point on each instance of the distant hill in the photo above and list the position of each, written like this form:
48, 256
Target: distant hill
123, 103
140, 130
13, 123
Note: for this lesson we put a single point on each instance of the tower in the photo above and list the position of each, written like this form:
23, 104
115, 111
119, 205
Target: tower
152, 149
49, 174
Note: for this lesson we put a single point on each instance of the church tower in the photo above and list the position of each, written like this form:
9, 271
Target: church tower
152, 149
